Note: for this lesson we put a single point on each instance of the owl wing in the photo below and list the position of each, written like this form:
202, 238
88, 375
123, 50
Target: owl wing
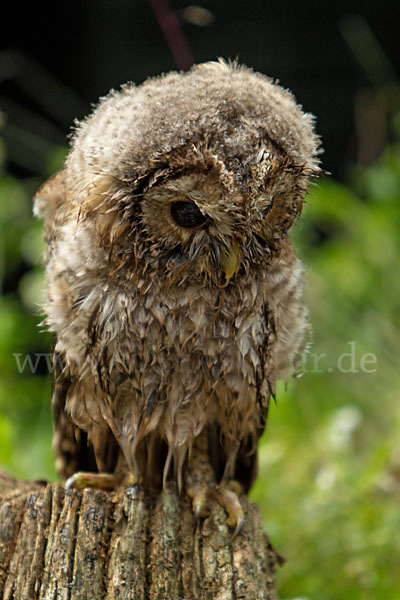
72, 448
246, 462
73, 451
70, 443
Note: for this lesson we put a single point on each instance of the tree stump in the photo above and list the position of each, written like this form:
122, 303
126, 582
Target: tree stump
95, 545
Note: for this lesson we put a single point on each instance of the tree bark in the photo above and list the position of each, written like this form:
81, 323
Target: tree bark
95, 545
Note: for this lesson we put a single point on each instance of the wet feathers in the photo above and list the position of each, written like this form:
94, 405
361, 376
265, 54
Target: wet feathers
173, 290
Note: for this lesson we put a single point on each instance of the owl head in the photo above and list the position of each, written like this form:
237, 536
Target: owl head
198, 175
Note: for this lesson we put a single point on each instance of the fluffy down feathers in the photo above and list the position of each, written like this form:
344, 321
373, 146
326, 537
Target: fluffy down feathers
161, 344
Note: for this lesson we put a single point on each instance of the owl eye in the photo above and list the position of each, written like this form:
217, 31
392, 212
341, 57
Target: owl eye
186, 214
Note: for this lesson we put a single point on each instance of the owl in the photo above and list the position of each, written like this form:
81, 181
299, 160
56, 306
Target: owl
173, 290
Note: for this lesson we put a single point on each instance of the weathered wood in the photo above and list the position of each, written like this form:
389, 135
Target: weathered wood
95, 545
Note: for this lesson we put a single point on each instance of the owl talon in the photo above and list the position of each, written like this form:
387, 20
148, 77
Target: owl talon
101, 481
197, 512
198, 493
227, 495
238, 528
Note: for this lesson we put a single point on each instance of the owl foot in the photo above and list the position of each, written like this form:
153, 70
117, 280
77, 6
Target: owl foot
227, 495
100, 481
199, 494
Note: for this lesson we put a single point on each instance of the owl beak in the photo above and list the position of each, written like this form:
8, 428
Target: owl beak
229, 260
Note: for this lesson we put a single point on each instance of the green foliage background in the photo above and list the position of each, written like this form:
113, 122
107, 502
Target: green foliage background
329, 483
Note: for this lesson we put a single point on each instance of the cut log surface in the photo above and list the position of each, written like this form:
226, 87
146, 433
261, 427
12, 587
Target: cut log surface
95, 545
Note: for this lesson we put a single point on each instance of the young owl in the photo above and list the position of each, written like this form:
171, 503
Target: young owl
173, 291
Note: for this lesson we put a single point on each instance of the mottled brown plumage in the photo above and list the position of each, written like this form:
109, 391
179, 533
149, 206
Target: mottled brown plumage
172, 288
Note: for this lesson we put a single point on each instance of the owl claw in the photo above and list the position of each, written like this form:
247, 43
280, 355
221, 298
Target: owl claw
238, 528
198, 493
197, 513
101, 481
227, 495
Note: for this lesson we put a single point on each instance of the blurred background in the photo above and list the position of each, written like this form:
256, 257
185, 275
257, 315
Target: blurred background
329, 483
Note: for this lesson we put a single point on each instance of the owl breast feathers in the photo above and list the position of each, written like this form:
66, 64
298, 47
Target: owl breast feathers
173, 291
